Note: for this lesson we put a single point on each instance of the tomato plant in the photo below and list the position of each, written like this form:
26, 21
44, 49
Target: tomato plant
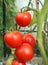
23, 19
13, 39
17, 62
28, 38
24, 52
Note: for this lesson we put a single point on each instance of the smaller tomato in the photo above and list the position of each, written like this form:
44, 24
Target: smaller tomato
28, 38
13, 39
24, 52
17, 62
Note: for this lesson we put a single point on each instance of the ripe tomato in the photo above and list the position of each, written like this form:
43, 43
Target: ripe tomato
17, 62
23, 19
24, 52
28, 38
13, 39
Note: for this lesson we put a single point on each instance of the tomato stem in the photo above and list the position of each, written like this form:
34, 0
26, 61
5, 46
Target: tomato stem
26, 8
12, 51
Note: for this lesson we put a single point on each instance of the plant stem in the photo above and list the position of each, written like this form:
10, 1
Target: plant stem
39, 32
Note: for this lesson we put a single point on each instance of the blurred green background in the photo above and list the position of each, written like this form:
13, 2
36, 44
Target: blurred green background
11, 10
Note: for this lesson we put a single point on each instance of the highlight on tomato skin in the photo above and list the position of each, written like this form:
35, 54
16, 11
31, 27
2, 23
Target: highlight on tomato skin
18, 62
29, 38
13, 39
23, 19
24, 53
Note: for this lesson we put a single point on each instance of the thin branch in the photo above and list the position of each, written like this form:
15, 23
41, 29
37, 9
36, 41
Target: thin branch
45, 34
26, 8
41, 3
5, 3
29, 3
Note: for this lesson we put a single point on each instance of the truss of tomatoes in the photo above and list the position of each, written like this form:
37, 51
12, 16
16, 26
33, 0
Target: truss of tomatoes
23, 44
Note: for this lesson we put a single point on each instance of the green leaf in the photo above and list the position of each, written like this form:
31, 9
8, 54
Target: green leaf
34, 20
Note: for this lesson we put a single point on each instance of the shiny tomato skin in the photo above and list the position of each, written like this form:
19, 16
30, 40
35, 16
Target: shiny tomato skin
28, 38
23, 19
24, 53
17, 62
13, 39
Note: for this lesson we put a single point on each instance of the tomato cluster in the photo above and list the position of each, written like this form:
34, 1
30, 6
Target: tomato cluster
23, 44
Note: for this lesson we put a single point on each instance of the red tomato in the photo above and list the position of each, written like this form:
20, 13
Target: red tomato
13, 39
28, 38
24, 52
23, 19
16, 62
